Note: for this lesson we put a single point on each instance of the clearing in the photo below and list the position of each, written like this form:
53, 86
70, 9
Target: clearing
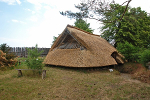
71, 84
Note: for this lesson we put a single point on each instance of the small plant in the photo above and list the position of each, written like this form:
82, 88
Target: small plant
33, 60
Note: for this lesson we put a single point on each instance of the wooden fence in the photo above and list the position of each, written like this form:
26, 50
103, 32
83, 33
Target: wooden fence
22, 51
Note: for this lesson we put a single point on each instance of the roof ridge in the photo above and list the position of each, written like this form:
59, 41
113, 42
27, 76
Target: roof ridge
81, 30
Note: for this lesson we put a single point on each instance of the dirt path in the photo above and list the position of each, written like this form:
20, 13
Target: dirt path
129, 78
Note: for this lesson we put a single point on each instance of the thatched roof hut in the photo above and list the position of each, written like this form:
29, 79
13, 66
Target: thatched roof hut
77, 48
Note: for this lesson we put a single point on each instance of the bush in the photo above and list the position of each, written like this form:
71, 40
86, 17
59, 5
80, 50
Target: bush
145, 57
34, 63
33, 60
129, 51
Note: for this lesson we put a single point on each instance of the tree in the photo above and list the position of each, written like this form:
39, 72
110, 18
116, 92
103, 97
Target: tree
5, 48
134, 28
33, 61
83, 25
96, 9
109, 30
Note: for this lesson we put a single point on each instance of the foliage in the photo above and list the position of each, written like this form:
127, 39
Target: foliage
145, 57
120, 22
95, 9
133, 53
5, 48
54, 39
133, 28
83, 25
109, 30
128, 51
33, 60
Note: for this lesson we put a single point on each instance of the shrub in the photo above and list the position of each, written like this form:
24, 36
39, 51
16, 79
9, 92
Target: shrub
129, 51
145, 57
33, 60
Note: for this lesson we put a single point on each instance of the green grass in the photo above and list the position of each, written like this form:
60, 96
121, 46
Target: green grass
70, 84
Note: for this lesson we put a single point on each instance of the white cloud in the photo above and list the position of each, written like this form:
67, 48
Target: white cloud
36, 3
27, 9
17, 21
11, 2
33, 12
33, 18
59, 4
18, 1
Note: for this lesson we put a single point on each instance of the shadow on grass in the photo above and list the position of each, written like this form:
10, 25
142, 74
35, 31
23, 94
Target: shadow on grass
82, 69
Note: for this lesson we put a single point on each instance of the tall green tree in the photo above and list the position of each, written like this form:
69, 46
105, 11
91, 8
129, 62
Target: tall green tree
5, 48
134, 28
83, 25
109, 30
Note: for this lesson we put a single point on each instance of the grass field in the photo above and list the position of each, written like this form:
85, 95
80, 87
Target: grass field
71, 84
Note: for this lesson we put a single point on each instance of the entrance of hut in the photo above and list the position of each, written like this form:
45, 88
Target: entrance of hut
118, 58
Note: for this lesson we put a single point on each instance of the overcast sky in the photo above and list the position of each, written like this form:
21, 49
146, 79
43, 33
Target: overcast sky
25, 23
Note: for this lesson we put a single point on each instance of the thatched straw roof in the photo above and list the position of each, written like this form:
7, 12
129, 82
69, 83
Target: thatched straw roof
77, 48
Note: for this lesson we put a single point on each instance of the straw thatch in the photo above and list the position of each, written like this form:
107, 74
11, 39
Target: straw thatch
77, 48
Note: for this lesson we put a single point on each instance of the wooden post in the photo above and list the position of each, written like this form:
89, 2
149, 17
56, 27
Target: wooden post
43, 74
19, 73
